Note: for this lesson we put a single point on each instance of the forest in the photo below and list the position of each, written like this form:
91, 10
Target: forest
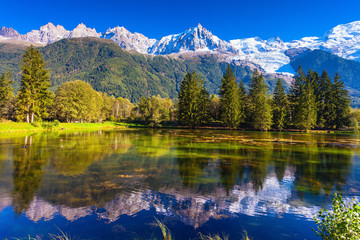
314, 101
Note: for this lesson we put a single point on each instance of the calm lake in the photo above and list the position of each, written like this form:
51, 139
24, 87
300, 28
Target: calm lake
112, 184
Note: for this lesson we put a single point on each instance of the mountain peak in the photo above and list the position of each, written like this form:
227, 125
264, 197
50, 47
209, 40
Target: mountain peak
193, 39
127, 40
82, 31
81, 25
9, 33
49, 25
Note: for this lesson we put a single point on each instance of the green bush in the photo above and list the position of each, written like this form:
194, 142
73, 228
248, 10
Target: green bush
56, 123
343, 222
37, 124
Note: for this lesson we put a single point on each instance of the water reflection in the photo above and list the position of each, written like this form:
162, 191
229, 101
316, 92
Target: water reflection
190, 176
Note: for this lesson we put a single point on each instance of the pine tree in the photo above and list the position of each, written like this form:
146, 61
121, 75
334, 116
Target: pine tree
259, 106
303, 102
34, 96
242, 102
280, 106
193, 106
230, 100
341, 104
325, 102
6, 94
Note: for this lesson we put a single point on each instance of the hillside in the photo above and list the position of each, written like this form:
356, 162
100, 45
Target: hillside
111, 69
319, 60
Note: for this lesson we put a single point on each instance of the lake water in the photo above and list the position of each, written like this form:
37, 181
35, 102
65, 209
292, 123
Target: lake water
112, 184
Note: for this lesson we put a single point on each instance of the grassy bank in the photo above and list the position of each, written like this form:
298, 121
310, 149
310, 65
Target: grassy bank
45, 126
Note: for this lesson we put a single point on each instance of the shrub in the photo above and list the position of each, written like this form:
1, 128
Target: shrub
343, 222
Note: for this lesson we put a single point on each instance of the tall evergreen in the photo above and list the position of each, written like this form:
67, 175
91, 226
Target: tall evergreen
193, 106
341, 104
303, 102
6, 94
230, 100
242, 101
325, 102
280, 106
34, 96
259, 106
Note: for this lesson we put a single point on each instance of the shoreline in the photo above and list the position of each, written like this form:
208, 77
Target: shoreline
17, 127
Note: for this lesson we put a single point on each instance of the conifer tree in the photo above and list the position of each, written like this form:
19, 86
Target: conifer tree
242, 102
230, 100
303, 102
325, 102
6, 94
193, 106
341, 103
280, 106
34, 96
259, 106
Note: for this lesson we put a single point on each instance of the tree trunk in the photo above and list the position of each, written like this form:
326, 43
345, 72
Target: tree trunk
32, 117
117, 110
27, 113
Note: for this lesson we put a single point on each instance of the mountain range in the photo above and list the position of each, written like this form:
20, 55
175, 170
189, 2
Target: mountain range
132, 65
342, 40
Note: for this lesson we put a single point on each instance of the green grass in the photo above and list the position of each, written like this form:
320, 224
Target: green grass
25, 127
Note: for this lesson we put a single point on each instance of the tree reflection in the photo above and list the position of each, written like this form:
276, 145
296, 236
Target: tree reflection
28, 172
92, 168
322, 170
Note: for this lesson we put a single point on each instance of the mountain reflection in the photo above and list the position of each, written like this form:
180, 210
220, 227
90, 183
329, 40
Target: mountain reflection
192, 176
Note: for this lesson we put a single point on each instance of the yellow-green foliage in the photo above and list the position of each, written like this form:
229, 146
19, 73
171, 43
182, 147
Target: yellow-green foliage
343, 222
22, 127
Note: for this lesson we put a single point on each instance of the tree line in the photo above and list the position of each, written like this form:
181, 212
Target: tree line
314, 101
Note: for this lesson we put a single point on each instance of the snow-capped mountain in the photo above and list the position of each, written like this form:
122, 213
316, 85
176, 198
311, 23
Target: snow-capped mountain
82, 31
343, 40
269, 54
193, 39
9, 33
47, 34
128, 40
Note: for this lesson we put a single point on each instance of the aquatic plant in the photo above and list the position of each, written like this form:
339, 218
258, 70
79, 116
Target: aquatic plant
164, 229
342, 222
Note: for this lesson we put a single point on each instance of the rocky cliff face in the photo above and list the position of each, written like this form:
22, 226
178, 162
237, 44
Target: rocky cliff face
193, 39
129, 41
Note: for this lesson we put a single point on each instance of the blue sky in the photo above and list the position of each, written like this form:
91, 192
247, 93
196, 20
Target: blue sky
291, 19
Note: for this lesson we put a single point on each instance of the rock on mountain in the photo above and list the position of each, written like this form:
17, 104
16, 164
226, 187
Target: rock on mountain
129, 41
47, 34
82, 31
193, 39
51, 33
9, 33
